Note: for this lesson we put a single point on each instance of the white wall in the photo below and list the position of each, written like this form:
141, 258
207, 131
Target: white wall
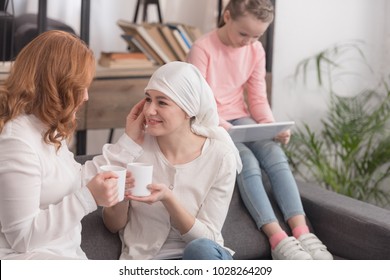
305, 27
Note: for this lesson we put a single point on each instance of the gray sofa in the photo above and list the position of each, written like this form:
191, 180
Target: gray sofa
349, 228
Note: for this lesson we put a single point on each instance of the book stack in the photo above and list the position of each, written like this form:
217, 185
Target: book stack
125, 60
161, 43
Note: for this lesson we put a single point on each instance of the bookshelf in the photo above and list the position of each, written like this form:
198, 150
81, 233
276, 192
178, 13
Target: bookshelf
161, 42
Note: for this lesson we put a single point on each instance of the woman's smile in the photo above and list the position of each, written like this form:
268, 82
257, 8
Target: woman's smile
153, 121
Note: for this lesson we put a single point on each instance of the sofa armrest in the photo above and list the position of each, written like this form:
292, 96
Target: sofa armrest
83, 158
351, 229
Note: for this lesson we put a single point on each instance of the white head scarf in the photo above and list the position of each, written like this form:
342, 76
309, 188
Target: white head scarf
184, 84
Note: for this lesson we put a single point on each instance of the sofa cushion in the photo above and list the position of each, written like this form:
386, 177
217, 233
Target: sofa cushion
241, 234
97, 242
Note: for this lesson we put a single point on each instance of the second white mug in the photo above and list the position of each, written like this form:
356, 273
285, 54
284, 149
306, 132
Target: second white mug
142, 174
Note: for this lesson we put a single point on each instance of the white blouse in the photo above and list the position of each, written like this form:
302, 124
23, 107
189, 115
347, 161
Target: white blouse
204, 186
41, 199
43, 194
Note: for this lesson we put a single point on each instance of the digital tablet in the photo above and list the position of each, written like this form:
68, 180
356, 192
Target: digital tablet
255, 132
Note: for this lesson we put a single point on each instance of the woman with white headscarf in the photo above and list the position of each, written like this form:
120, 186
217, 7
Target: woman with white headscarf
195, 163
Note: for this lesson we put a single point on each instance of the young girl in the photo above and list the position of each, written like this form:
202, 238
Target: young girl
232, 59
175, 128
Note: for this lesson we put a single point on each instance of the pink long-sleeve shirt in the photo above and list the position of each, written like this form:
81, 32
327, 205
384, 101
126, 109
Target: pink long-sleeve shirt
229, 71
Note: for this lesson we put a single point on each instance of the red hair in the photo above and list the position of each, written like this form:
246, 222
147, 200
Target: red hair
48, 79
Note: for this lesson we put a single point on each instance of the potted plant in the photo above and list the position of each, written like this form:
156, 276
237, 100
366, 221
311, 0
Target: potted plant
350, 153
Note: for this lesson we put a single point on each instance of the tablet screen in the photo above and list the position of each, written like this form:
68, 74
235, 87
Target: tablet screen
255, 132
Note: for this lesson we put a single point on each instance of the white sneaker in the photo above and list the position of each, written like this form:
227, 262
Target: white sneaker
290, 249
314, 247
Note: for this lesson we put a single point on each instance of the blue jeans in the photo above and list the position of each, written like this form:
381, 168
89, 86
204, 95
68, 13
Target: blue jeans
205, 249
269, 156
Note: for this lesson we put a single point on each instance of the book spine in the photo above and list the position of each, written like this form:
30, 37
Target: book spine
185, 36
158, 37
182, 35
193, 32
152, 44
148, 55
180, 40
168, 35
133, 40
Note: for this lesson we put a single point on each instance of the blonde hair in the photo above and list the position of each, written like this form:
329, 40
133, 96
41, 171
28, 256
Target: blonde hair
48, 79
262, 9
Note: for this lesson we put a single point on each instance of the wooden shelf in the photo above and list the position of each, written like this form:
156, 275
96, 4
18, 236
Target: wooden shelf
110, 101
105, 73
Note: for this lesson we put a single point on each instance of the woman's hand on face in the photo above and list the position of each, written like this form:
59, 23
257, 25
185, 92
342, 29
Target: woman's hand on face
103, 188
283, 137
159, 192
135, 123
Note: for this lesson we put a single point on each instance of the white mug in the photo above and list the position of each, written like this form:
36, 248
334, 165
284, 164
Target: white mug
142, 174
121, 172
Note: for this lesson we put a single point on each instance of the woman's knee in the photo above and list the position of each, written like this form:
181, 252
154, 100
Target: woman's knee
269, 153
205, 249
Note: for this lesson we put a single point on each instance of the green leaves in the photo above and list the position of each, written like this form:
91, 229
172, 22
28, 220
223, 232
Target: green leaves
351, 152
